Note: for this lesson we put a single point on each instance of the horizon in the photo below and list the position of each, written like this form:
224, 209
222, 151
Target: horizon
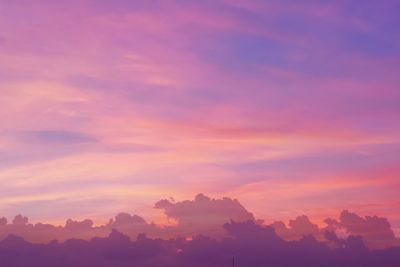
168, 221
204, 216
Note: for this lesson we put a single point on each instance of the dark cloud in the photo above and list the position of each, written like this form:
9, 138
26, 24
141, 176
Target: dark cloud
249, 244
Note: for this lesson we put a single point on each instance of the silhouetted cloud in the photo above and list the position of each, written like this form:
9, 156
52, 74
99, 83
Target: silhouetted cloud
207, 217
249, 244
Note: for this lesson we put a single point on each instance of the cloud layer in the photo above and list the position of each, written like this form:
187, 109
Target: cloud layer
206, 217
249, 245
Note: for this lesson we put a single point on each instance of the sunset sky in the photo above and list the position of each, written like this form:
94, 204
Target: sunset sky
110, 106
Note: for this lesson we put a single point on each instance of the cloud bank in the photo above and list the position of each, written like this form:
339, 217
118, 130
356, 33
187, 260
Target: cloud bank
206, 217
249, 244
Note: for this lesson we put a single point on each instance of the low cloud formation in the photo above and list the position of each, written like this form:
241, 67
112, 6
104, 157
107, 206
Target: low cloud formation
206, 217
298, 228
131, 225
249, 244
375, 230
202, 215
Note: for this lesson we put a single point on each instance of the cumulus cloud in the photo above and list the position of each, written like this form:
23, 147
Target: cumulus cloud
204, 214
123, 219
208, 217
375, 230
20, 220
303, 225
298, 228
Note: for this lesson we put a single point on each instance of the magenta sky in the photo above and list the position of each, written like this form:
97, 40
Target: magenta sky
292, 107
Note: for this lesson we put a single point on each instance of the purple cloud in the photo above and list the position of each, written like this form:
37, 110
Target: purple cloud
249, 245
206, 216
203, 214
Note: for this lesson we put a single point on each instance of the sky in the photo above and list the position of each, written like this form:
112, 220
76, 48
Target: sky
291, 107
